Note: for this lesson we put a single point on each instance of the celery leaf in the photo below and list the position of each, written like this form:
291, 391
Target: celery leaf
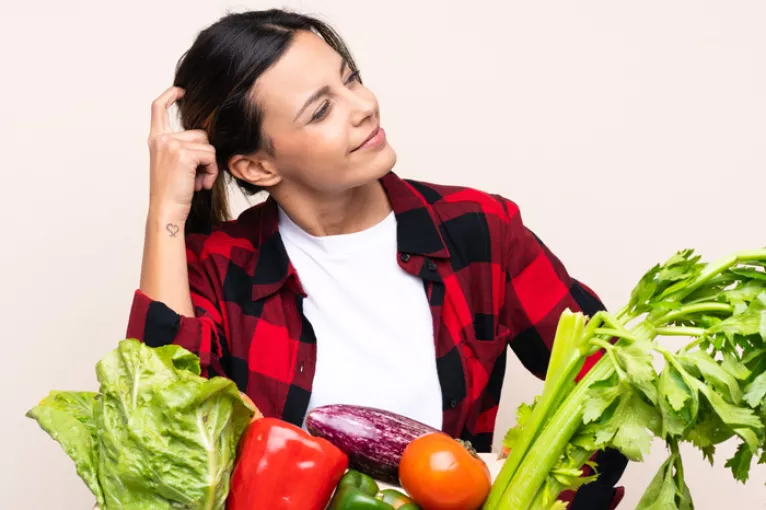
523, 413
626, 428
713, 373
661, 493
600, 396
636, 361
756, 390
740, 463
733, 365
664, 492
678, 402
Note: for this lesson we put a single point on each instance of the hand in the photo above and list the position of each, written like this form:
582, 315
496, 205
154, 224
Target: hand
181, 162
258, 415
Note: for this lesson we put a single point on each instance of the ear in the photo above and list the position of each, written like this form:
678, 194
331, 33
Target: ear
256, 169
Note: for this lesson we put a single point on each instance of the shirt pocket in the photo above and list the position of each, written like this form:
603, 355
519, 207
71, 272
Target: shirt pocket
487, 351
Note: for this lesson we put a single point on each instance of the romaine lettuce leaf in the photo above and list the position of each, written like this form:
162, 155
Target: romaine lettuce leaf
68, 417
158, 436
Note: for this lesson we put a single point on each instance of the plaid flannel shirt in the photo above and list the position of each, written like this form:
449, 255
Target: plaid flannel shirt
491, 283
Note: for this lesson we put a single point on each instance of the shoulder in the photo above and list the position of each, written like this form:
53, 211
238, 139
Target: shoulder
475, 225
450, 202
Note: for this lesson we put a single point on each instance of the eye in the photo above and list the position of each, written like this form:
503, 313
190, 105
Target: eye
355, 76
322, 112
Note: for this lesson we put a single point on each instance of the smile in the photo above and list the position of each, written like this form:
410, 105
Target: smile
376, 139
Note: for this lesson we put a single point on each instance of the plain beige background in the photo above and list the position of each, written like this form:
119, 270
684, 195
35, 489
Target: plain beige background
625, 130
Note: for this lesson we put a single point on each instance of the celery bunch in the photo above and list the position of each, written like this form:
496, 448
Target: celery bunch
710, 390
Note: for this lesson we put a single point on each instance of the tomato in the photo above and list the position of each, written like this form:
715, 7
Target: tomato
440, 473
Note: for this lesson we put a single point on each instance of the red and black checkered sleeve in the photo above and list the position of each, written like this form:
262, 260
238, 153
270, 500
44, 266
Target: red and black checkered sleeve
538, 290
156, 324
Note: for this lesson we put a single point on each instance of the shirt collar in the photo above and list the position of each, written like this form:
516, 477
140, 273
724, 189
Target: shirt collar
417, 231
417, 234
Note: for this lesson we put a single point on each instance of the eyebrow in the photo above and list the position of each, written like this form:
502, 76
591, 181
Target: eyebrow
321, 92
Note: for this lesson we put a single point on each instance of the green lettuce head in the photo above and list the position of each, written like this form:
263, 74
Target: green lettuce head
156, 435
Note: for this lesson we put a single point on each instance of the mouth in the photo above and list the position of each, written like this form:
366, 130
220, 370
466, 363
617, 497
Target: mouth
376, 137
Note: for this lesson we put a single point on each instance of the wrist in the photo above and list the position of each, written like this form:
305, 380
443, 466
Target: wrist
166, 222
163, 215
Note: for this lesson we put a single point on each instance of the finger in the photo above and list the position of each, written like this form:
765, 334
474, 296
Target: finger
192, 135
207, 170
204, 159
160, 122
208, 179
196, 146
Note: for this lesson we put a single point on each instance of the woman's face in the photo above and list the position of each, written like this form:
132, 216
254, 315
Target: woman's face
322, 123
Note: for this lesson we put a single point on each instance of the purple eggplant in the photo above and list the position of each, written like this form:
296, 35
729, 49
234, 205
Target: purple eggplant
373, 439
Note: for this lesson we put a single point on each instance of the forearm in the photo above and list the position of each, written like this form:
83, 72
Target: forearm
164, 274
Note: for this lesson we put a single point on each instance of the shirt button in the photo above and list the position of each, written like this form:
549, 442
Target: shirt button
405, 257
431, 265
300, 368
453, 403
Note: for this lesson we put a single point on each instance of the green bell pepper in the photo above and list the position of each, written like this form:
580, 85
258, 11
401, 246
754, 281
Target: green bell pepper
358, 491
361, 481
348, 497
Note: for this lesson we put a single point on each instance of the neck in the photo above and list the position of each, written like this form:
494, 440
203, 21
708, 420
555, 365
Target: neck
347, 212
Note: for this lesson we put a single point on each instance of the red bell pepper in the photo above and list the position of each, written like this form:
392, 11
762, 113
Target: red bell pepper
281, 467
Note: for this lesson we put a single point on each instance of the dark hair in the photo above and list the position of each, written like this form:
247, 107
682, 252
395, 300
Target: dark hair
218, 72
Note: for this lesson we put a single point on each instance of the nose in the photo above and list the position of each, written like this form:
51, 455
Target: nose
363, 106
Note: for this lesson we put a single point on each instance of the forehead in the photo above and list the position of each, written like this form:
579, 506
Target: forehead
308, 64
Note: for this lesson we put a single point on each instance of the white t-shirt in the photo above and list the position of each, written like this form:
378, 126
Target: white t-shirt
372, 321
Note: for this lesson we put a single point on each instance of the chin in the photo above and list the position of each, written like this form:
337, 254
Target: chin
385, 161
390, 156
374, 169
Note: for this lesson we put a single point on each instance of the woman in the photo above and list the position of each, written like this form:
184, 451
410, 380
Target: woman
346, 274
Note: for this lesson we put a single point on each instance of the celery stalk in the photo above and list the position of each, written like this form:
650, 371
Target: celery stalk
566, 363
568, 331
562, 425
714, 303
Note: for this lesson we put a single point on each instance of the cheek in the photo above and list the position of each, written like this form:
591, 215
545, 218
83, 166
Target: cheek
329, 142
325, 148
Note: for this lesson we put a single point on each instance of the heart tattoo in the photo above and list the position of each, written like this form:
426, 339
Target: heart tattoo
173, 229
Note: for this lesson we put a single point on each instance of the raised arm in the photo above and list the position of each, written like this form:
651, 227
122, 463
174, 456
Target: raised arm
175, 302
538, 290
